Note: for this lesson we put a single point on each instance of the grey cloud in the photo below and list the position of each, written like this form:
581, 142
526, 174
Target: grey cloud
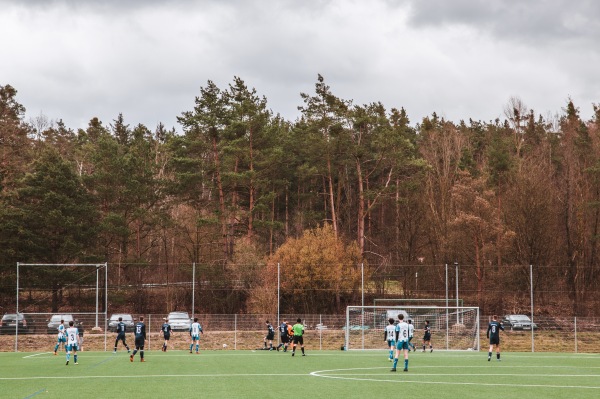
528, 21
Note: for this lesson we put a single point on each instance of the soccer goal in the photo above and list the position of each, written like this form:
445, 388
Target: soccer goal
452, 327
47, 293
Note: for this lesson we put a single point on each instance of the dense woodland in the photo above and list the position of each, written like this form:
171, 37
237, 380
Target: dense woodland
344, 196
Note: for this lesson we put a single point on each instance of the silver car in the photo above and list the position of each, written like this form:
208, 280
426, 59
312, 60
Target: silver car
180, 321
518, 322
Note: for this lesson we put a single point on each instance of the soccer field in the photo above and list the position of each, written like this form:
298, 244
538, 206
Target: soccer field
321, 374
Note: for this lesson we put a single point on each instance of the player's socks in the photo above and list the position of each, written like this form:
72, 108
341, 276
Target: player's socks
55, 348
197, 348
498, 356
75, 358
489, 356
405, 364
391, 354
423, 348
142, 355
191, 347
395, 363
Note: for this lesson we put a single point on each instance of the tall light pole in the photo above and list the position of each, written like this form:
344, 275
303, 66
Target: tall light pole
456, 266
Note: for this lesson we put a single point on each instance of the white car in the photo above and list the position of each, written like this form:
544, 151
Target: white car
180, 321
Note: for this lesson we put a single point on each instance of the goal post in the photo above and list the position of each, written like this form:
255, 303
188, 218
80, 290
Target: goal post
453, 328
88, 280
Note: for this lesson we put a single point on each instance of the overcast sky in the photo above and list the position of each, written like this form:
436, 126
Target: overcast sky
75, 60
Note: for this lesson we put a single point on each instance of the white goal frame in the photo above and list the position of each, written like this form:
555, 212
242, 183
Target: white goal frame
374, 319
98, 266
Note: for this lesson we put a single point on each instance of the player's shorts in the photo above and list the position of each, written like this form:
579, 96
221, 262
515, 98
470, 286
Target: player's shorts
402, 345
285, 338
298, 339
195, 338
391, 342
62, 339
427, 337
121, 337
139, 342
72, 347
167, 336
495, 341
270, 336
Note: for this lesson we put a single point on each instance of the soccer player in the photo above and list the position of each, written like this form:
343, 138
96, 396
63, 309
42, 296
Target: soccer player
166, 330
427, 337
195, 331
270, 336
72, 342
401, 342
62, 338
298, 329
121, 329
140, 337
389, 335
493, 333
411, 333
283, 334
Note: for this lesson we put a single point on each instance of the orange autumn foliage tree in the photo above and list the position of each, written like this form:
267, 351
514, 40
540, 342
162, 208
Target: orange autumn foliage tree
318, 272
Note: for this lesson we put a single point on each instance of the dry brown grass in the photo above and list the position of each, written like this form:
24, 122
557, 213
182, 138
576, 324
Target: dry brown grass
511, 341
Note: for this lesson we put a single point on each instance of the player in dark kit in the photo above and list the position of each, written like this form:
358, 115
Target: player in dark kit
166, 330
121, 335
283, 334
427, 336
140, 336
270, 336
493, 333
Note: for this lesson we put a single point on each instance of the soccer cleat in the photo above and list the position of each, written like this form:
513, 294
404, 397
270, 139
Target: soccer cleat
431, 350
66, 364
54, 353
277, 349
75, 363
489, 358
142, 360
405, 369
131, 358
391, 360
128, 350
394, 370
190, 351
499, 360
293, 353
304, 354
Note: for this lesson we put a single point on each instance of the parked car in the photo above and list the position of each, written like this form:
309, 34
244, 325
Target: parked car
518, 322
356, 328
54, 322
114, 320
8, 324
180, 321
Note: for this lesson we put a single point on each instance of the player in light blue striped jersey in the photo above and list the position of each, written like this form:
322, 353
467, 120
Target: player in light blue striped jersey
62, 338
195, 331
389, 337
401, 342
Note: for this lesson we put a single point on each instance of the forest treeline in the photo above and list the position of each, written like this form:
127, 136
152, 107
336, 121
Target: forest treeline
379, 197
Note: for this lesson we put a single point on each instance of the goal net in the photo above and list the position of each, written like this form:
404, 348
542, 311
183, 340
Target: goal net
452, 327
48, 293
